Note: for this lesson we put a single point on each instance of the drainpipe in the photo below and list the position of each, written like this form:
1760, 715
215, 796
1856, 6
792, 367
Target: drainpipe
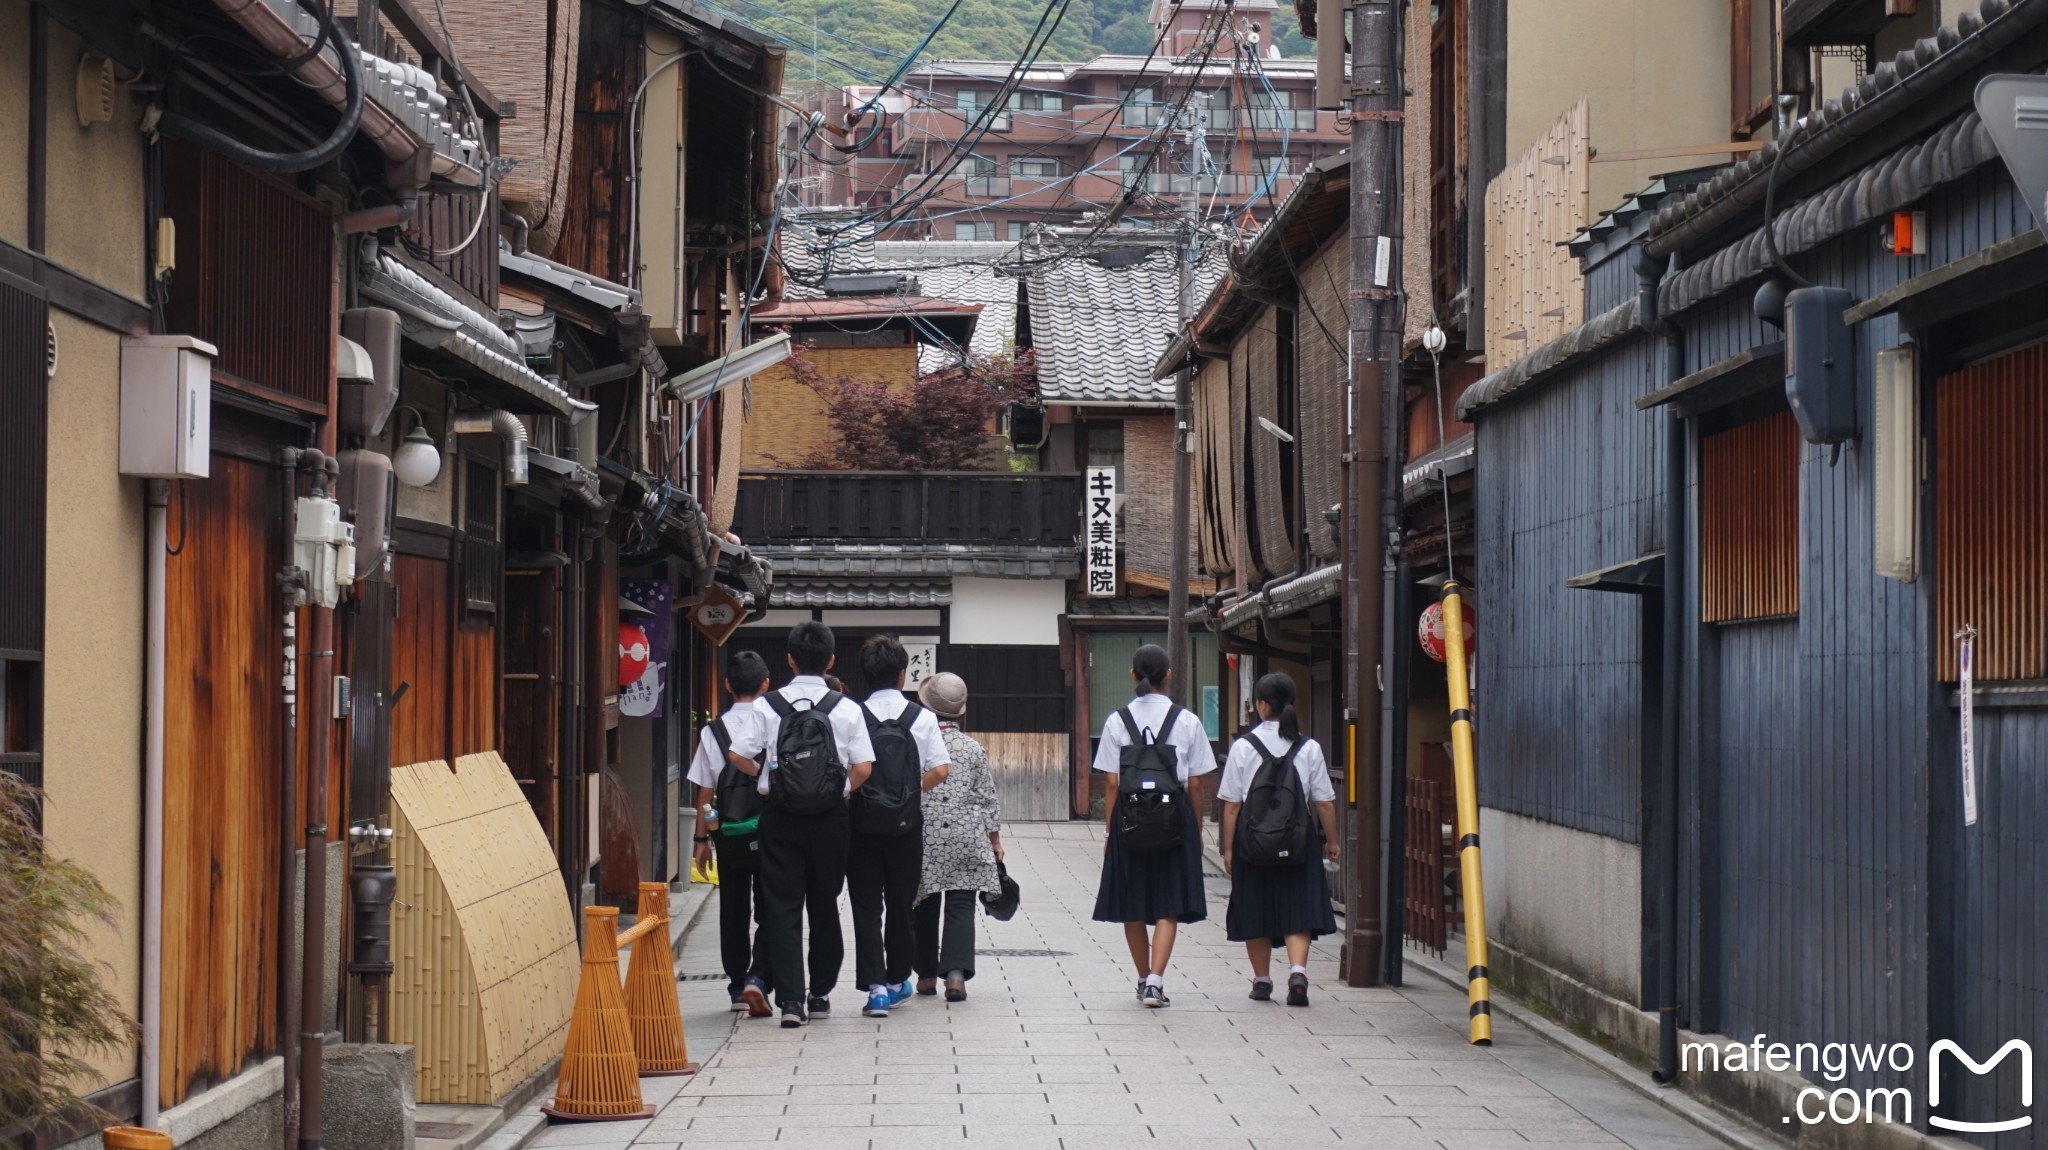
505, 426
291, 582
319, 671
1650, 272
157, 539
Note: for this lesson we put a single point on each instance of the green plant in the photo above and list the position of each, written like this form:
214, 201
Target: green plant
54, 1001
937, 423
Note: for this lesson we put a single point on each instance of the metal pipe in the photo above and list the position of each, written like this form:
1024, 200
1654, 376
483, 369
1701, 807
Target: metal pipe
290, 580
313, 944
1183, 431
1478, 989
1400, 651
156, 540
505, 426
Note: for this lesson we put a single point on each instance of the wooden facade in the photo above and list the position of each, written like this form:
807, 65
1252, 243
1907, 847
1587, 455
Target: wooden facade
1831, 887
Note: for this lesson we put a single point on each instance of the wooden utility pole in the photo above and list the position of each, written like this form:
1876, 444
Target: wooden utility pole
1184, 422
1376, 110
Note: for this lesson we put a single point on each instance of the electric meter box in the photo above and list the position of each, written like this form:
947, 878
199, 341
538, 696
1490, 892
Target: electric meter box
166, 406
1820, 363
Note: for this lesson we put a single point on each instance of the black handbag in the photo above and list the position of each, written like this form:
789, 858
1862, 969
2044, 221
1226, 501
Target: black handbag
1002, 905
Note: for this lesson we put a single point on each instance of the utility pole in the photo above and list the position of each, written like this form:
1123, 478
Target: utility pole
1376, 110
1184, 410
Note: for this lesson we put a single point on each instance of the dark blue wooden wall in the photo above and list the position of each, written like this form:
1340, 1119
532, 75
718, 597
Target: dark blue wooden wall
1832, 893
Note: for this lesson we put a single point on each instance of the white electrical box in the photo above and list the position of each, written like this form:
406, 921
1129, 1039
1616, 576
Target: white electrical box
166, 406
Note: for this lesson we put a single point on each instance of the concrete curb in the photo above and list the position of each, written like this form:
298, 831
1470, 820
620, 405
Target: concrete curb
1722, 1126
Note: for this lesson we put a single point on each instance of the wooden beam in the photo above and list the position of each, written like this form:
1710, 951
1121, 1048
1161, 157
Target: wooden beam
1728, 147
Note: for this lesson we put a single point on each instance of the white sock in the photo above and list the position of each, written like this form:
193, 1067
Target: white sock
1297, 970
1265, 978
1155, 980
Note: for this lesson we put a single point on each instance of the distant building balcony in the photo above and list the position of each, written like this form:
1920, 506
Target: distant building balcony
778, 509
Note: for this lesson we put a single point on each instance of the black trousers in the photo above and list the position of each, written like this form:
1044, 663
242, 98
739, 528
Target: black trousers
937, 955
882, 872
803, 864
739, 898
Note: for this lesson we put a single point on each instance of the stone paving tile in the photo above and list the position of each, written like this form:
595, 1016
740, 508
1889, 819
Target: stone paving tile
1056, 1054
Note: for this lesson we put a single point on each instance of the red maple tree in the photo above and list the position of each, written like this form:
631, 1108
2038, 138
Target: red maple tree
938, 423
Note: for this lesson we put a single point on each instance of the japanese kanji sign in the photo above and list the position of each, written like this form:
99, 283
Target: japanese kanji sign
1098, 520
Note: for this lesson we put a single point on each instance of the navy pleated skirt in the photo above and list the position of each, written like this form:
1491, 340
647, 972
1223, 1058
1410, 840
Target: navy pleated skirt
1272, 902
1147, 886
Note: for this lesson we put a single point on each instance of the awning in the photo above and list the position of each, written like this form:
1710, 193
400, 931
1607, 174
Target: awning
1635, 576
1423, 475
434, 319
877, 561
664, 520
870, 596
1281, 600
1743, 374
738, 567
569, 477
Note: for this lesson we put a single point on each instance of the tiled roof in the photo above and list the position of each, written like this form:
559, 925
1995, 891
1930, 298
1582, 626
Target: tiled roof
868, 595
865, 561
802, 243
1099, 330
960, 270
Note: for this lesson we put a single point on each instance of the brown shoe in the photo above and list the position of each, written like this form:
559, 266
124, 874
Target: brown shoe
927, 986
956, 988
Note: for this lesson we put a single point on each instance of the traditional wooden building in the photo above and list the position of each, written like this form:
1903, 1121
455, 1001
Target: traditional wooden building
1723, 638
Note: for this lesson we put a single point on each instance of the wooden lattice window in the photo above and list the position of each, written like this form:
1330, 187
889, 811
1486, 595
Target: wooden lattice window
1749, 520
1991, 514
24, 411
483, 560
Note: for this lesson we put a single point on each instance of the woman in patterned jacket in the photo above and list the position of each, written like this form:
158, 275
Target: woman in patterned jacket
962, 844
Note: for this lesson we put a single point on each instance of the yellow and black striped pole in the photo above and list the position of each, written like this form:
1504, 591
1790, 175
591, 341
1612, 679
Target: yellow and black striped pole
1477, 992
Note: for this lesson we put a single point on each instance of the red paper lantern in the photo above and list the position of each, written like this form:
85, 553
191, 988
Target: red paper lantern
1430, 631
634, 652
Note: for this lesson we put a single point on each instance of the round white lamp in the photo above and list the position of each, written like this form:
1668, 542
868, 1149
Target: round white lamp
417, 462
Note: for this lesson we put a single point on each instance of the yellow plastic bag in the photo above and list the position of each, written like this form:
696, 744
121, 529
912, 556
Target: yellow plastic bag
705, 872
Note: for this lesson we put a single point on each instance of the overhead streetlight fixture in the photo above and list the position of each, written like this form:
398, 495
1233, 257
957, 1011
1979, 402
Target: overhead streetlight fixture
417, 462
700, 382
1276, 431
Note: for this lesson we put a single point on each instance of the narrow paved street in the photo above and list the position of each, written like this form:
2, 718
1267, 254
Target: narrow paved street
1051, 1052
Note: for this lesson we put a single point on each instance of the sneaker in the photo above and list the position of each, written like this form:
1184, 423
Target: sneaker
755, 995
878, 1003
900, 993
1297, 989
739, 1001
1155, 996
819, 1007
1262, 990
1141, 990
793, 1016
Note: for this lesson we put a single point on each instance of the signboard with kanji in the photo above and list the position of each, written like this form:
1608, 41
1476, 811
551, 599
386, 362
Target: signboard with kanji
1098, 524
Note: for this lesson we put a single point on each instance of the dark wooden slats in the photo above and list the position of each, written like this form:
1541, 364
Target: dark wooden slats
1749, 521
1033, 510
1991, 517
1423, 899
24, 417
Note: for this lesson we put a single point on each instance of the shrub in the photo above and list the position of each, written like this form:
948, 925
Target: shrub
938, 423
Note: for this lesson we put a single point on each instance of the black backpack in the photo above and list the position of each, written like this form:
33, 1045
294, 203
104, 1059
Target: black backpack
808, 778
890, 802
735, 796
1273, 827
1149, 795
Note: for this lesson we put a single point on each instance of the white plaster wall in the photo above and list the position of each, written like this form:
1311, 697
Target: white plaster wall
1566, 898
1013, 612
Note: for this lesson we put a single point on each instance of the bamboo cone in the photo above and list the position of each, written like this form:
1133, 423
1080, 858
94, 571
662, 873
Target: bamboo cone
651, 1003
600, 1079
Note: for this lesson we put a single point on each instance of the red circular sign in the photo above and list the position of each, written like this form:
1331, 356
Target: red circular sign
634, 651
1430, 631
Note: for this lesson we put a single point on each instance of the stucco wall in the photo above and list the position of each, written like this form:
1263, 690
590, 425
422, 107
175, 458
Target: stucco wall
92, 720
14, 120
1008, 611
1654, 72
96, 226
785, 419
1568, 899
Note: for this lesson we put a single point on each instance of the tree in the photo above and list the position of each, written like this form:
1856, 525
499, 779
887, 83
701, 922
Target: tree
938, 423
54, 1005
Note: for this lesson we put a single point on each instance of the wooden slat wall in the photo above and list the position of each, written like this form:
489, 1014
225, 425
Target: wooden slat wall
1749, 520
1217, 505
1991, 517
222, 687
475, 685
1534, 291
420, 657
1031, 773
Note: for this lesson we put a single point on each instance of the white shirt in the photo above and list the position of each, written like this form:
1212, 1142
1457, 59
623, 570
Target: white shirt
1244, 762
1189, 739
889, 702
743, 723
849, 727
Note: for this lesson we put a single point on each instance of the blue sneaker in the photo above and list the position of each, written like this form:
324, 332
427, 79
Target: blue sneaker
900, 993
878, 1003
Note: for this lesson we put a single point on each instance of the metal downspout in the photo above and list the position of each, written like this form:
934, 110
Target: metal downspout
156, 539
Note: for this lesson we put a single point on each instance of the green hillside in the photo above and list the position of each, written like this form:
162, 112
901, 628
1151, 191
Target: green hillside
865, 39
